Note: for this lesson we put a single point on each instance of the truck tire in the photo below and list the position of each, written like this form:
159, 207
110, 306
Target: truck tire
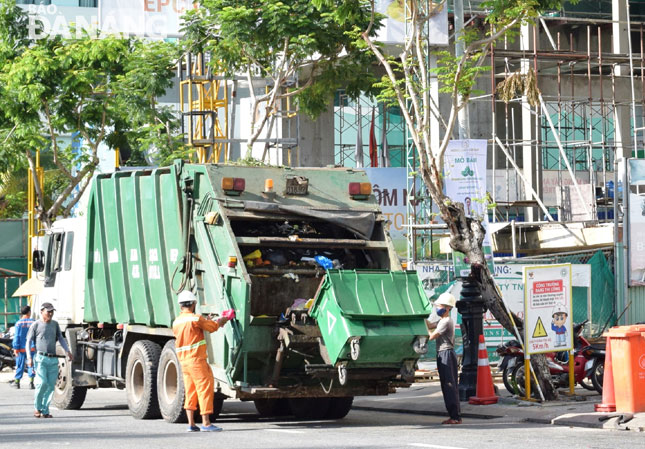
339, 407
218, 403
141, 379
66, 395
170, 386
269, 408
309, 408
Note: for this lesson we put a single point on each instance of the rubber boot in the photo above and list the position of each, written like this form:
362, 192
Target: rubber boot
16, 384
31, 385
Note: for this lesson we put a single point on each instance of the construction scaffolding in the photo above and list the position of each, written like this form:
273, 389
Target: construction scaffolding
203, 99
34, 227
555, 161
211, 102
352, 129
564, 149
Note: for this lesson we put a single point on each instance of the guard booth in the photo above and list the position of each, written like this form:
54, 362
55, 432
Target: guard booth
13, 269
9, 281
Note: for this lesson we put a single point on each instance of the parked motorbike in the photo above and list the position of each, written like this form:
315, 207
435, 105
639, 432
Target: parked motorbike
7, 357
595, 365
513, 356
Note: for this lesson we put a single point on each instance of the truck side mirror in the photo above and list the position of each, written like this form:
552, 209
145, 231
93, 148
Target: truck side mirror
38, 260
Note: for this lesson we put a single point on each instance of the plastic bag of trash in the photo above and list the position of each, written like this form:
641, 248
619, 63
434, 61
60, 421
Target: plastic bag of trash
324, 262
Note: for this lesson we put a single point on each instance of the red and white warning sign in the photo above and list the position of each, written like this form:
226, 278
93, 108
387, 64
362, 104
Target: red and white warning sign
547, 308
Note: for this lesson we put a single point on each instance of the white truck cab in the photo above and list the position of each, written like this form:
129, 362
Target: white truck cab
59, 262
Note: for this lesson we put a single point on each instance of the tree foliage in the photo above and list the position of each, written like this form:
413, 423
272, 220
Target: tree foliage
280, 40
68, 96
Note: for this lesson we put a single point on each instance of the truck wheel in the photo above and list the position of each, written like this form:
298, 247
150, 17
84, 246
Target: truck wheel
339, 407
268, 408
309, 408
170, 386
141, 379
66, 395
218, 402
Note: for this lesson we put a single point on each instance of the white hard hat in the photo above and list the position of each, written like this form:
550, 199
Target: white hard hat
446, 299
186, 296
559, 309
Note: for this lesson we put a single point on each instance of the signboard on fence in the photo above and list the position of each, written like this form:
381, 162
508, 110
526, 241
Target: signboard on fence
393, 29
636, 242
465, 182
547, 308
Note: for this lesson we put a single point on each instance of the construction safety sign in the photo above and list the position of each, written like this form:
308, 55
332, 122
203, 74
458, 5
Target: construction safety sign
547, 308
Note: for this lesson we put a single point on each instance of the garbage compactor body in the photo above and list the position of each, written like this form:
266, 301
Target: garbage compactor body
324, 311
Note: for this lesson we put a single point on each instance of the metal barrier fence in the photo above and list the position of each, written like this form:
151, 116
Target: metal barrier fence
597, 305
600, 310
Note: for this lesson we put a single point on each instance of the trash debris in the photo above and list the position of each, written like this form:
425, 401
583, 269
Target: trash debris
298, 304
291, 276
324, 262
257, 254
276, 258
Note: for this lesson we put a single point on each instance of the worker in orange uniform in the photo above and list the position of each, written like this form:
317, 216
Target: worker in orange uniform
190, 346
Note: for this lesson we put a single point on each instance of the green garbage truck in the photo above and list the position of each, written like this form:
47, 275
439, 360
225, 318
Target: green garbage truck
324, 310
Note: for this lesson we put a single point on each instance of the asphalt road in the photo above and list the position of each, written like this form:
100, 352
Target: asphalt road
104, 422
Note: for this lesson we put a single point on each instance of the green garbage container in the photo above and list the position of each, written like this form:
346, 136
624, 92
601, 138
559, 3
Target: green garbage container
372, 319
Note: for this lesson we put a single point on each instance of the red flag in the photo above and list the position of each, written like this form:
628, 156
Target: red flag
373, 145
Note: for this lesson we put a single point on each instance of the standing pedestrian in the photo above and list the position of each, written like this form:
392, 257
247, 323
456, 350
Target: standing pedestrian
19, 343
443, 332
44, 334
190, 346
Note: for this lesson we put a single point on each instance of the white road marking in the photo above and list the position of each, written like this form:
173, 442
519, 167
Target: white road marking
284, 430
434, 446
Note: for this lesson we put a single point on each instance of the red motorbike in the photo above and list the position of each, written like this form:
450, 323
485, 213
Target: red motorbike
558, 362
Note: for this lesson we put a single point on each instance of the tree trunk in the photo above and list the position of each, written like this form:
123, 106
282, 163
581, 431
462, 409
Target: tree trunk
466, 236
484, 279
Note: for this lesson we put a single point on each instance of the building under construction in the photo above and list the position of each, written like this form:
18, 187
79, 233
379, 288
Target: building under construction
555, 168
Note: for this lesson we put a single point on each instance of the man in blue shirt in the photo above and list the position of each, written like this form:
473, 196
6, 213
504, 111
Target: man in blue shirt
19, 344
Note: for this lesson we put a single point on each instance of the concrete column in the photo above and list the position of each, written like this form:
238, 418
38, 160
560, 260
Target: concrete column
528, 128
622, 114
316, 140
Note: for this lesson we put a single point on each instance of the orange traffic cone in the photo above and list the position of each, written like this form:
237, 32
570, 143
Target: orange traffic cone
608, 403
485, 389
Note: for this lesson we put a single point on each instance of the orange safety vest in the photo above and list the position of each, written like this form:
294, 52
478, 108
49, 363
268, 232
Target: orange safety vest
188, 329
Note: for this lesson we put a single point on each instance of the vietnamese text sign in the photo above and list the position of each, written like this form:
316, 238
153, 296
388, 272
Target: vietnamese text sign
547, 308
465, 182
390, 189
393, 29
151, 18
636, 242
